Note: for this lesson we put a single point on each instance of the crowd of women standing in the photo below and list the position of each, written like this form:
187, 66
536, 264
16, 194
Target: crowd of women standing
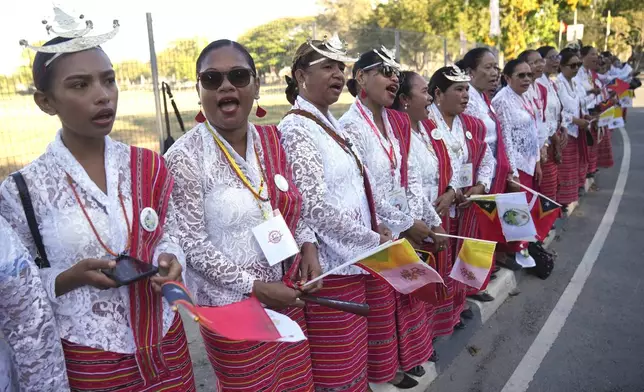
400, 163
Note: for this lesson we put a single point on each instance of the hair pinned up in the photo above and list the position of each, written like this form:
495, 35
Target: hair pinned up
304, 55
221, 44
472, 59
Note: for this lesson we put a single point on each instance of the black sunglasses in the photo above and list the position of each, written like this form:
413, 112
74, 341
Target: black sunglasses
574, 65
384, 69
212, 80
524, 75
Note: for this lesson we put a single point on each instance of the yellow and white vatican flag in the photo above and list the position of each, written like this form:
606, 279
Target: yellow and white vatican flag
473, 263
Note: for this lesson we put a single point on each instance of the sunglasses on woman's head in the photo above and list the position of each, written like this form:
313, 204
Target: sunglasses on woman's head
212, 80
524, 75
574, 65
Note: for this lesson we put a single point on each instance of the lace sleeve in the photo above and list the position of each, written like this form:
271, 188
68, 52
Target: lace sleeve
169, 242
414, 189
333, 226
504, 112
570, 106
27, 320
190, 227
304, 234
70, 304
486, 169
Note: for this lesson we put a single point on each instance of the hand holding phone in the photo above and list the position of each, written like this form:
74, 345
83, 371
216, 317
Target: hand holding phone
128, 270
169, 270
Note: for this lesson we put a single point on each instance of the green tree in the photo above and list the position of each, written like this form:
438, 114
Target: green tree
178, 60
342, 17
273, 44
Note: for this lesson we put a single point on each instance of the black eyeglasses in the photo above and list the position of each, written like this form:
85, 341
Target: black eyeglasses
386, 70
212, 80
574, 65
524, 75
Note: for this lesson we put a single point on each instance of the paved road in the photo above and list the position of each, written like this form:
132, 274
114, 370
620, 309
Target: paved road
599, 348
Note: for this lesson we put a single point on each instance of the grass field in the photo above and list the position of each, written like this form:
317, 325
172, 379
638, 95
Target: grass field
25, 131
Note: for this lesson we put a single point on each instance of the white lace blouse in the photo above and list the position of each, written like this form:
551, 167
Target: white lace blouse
385, 185
519, 127
216, 214
424, 157
87, 316
584, 79
458, 151
570, 93
477, 107
553, 106
27, 322
533, 95
334, 201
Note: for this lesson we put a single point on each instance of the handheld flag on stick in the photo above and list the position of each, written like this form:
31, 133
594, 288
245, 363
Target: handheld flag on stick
488, 218
619, 86
243, 320
396, 263
473, 263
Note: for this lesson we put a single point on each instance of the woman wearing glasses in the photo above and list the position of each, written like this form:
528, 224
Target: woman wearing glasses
573, 154
230, 177
337, 204
557, 134
466, 167
376, 130
519, 121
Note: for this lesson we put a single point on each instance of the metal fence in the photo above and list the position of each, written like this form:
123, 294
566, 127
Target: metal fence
25, 131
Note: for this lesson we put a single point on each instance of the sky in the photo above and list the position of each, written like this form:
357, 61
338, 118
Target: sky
214, 19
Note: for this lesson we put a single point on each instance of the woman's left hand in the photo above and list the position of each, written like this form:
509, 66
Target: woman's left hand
477, 189
544, 153
309, 268
169, 271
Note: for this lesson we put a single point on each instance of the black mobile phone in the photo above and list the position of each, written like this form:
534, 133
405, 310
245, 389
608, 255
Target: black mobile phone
128, 270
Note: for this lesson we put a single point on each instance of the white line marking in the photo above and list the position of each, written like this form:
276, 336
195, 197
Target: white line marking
524, 373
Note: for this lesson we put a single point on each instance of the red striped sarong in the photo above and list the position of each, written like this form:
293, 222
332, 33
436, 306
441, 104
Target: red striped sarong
414, 332
442, 315
549, 175
338, 340
605, 150
382, 363
568, 172
91, 369
261, 366
593, 152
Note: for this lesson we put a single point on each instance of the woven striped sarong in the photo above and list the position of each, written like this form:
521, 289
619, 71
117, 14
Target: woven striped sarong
382, 363
442, 314
605, 150
338, 340
414, 332
568, 173
549, 172
261, 366
593, 154
90, 369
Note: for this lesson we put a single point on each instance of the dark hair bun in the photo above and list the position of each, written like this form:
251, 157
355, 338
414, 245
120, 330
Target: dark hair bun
352, 85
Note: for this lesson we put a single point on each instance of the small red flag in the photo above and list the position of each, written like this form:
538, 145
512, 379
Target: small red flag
544, 214
487, 217
619, 86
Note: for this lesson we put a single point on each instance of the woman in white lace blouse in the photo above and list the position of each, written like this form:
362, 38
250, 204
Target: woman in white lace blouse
32, 352
556, 132
574, 153
376, 130
87, 196
231, 177
338, 205
518, 117
466, 167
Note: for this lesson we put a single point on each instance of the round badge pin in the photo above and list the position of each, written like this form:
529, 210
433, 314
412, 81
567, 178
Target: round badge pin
281, 183
468, 134
149, 219
436, 134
